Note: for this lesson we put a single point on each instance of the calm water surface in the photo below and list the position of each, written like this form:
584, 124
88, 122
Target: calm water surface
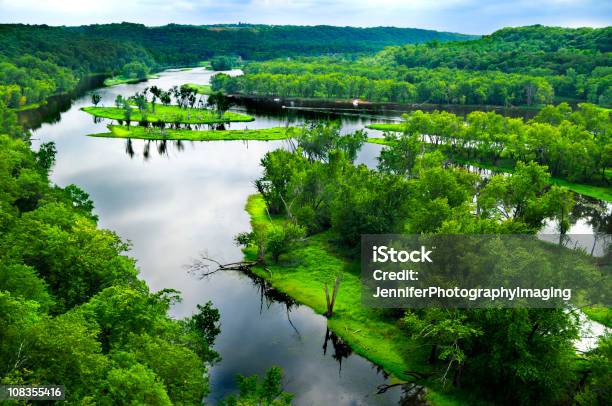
176, 200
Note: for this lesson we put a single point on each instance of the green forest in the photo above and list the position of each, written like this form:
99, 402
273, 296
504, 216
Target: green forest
75, 308
526, 66
40, 61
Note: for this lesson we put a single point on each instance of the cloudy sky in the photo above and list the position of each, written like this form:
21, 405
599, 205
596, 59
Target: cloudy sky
466, 16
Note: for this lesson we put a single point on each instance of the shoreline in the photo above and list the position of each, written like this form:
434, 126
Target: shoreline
369, 334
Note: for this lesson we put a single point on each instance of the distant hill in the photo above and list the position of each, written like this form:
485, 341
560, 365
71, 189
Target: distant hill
172, 43
175, 44
518, 49
37, 61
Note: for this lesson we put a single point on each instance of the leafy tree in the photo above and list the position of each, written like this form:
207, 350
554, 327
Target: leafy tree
280, 239
521, 196
267, 392
400, 156
9, 124
95, 98
220, 102
119, 101
220, 63
595, 384
134, 385
127, 112
318, 139
135, 70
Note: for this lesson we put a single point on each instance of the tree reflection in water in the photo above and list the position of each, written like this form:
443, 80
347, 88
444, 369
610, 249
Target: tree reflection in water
129, 148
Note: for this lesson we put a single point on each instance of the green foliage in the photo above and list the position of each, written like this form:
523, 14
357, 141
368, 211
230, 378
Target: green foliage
520, 196
392, 85
573, 144
280, 239
95, 98
155, 133
256, 392
318, 139
39, 61
220, 63
134, 385
26, 79
134, 70
418, 194
71, 307
9, 124
169, 114
514, 66
596, 374
219, 102
23, 281
401, 156
528, 348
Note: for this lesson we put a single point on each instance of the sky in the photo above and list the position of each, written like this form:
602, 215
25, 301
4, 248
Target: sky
465, 16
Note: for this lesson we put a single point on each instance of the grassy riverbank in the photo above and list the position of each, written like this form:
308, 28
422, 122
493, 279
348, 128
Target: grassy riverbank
153, 133
169, 114
597, 192
201, 89
602, 315
119, 80
370, 333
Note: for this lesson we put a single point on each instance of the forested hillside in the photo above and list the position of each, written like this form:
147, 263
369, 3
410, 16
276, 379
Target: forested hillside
37, 61
513, 66
72, 308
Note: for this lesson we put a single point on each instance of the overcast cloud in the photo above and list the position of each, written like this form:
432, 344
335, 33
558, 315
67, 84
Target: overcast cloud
466, 16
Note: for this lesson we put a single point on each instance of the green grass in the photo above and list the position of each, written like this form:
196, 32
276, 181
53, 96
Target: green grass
302, 275
597, 192
118, 80
31, 106
601, 315
169, 114
153, 133
201, 89
386, 127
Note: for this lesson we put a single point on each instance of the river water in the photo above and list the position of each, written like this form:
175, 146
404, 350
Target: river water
177, 200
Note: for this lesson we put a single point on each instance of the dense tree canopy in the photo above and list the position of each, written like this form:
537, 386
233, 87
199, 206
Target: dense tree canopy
72, 309
573, 144
39, 61
509, 356
514, 66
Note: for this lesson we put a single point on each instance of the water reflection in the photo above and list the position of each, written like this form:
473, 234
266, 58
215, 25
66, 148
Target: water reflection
341, 349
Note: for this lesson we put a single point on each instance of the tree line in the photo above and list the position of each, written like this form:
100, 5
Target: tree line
576, 62
513, 66
37, 61
572, 144
437, 86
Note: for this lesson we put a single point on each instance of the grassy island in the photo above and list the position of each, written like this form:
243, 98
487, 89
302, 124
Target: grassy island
119, 80
169, 114
153, 133
201, 89
302, 275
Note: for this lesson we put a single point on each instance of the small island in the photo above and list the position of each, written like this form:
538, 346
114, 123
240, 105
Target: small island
200, 89
169, 114
155, 133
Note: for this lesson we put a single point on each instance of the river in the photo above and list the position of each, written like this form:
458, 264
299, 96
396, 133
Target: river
176, 200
